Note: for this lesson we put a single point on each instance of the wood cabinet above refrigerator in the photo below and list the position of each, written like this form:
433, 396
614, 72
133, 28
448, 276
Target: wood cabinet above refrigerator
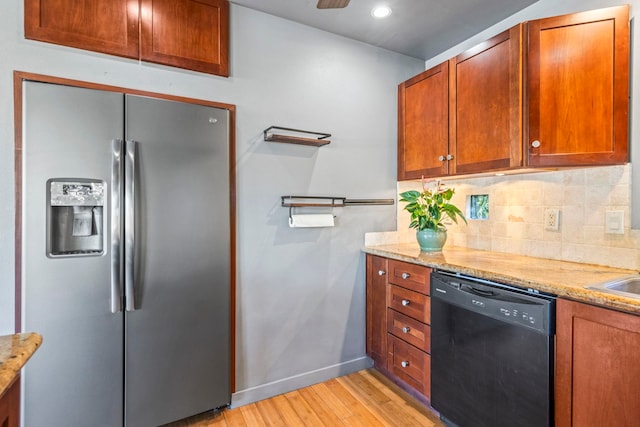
195, 36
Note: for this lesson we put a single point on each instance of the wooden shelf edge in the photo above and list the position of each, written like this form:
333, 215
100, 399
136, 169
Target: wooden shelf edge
296, 140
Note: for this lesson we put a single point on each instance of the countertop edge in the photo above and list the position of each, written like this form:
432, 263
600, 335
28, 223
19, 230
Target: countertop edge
15, 351
575, 291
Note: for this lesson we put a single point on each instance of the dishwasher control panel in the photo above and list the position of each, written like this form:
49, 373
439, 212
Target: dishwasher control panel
501, 302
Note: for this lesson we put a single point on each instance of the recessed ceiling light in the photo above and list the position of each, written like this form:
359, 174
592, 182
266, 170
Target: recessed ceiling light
381, 12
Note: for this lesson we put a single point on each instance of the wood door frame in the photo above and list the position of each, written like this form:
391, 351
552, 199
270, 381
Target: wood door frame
18, 78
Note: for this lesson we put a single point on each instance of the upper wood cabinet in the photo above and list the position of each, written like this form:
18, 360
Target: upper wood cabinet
107, 26
578, 88
423, 124
485, 106
597, 370
552, 92
195, 37
190, 34
464, 115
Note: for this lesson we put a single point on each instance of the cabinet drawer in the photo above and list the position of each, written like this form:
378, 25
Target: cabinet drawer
410, 276
410, 364
410, 303
409, 330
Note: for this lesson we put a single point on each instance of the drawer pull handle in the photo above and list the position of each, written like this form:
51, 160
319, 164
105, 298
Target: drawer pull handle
406, 329
406, 302
405, 275
404, 363
381, 272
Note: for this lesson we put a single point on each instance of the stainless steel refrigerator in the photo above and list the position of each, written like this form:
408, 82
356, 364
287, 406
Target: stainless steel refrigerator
125, 257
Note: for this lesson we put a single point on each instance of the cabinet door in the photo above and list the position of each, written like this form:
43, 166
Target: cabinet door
578, 73
196, 36
410, 364
485, 93
597, 369
107, 26
10, 405
377, 309
423, 124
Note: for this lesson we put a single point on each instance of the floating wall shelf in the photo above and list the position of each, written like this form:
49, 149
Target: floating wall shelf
321, 140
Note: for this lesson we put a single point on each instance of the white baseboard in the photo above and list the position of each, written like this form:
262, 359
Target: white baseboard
264, 391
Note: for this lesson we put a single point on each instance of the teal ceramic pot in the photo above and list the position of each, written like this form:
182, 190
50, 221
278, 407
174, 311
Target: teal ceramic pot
431, 240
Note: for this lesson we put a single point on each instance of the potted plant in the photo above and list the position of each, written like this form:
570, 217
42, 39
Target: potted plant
429, 210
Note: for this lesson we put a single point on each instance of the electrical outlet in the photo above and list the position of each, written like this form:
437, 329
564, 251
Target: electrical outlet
552, 219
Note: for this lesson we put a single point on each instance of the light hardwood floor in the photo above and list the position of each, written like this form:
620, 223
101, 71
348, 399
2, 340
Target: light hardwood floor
364, 398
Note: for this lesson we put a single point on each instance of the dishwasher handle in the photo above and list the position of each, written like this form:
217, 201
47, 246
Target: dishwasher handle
479, 292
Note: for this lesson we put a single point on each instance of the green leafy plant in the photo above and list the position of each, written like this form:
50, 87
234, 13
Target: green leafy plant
430, 208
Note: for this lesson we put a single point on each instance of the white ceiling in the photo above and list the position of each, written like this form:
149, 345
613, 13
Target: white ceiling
418, 28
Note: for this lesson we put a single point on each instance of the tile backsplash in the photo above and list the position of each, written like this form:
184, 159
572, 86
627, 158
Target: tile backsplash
516, 213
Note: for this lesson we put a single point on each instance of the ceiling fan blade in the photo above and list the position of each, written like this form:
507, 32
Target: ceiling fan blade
332, 4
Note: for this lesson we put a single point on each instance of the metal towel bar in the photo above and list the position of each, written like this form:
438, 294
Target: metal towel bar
329, 201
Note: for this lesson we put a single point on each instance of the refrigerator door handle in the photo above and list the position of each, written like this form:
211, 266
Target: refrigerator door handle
116, 227
129, 223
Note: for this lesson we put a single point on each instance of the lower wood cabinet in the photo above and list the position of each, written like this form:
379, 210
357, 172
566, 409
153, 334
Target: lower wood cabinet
377, 310
597, 369
410, 364
398, 322
597, 373
10, 406
410, 330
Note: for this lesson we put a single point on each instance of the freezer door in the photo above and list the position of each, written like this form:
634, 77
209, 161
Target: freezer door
177, 333
75, 378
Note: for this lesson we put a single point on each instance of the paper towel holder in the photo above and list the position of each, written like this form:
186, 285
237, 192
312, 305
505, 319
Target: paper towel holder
328, 201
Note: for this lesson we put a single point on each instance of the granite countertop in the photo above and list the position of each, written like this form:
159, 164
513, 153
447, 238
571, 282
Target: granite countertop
15, 350
562, 278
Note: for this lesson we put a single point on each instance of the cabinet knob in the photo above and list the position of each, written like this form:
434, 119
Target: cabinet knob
405, 276
535, 144
406, 329
404, 363
406, 302
449, 156
381, 272
441, 158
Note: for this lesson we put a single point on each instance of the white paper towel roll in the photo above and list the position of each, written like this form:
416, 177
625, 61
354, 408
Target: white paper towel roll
311, 220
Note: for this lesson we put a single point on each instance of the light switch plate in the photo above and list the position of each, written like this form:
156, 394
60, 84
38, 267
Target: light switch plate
614, 222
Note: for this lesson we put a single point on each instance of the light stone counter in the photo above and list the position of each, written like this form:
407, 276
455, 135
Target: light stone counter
15, 350
562, 278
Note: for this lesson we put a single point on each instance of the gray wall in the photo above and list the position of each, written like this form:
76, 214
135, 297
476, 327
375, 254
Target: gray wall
301, 292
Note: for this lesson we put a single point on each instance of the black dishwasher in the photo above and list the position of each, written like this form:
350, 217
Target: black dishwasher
491, 353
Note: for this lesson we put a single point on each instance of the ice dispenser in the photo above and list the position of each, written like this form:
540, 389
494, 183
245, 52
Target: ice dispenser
75, 221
